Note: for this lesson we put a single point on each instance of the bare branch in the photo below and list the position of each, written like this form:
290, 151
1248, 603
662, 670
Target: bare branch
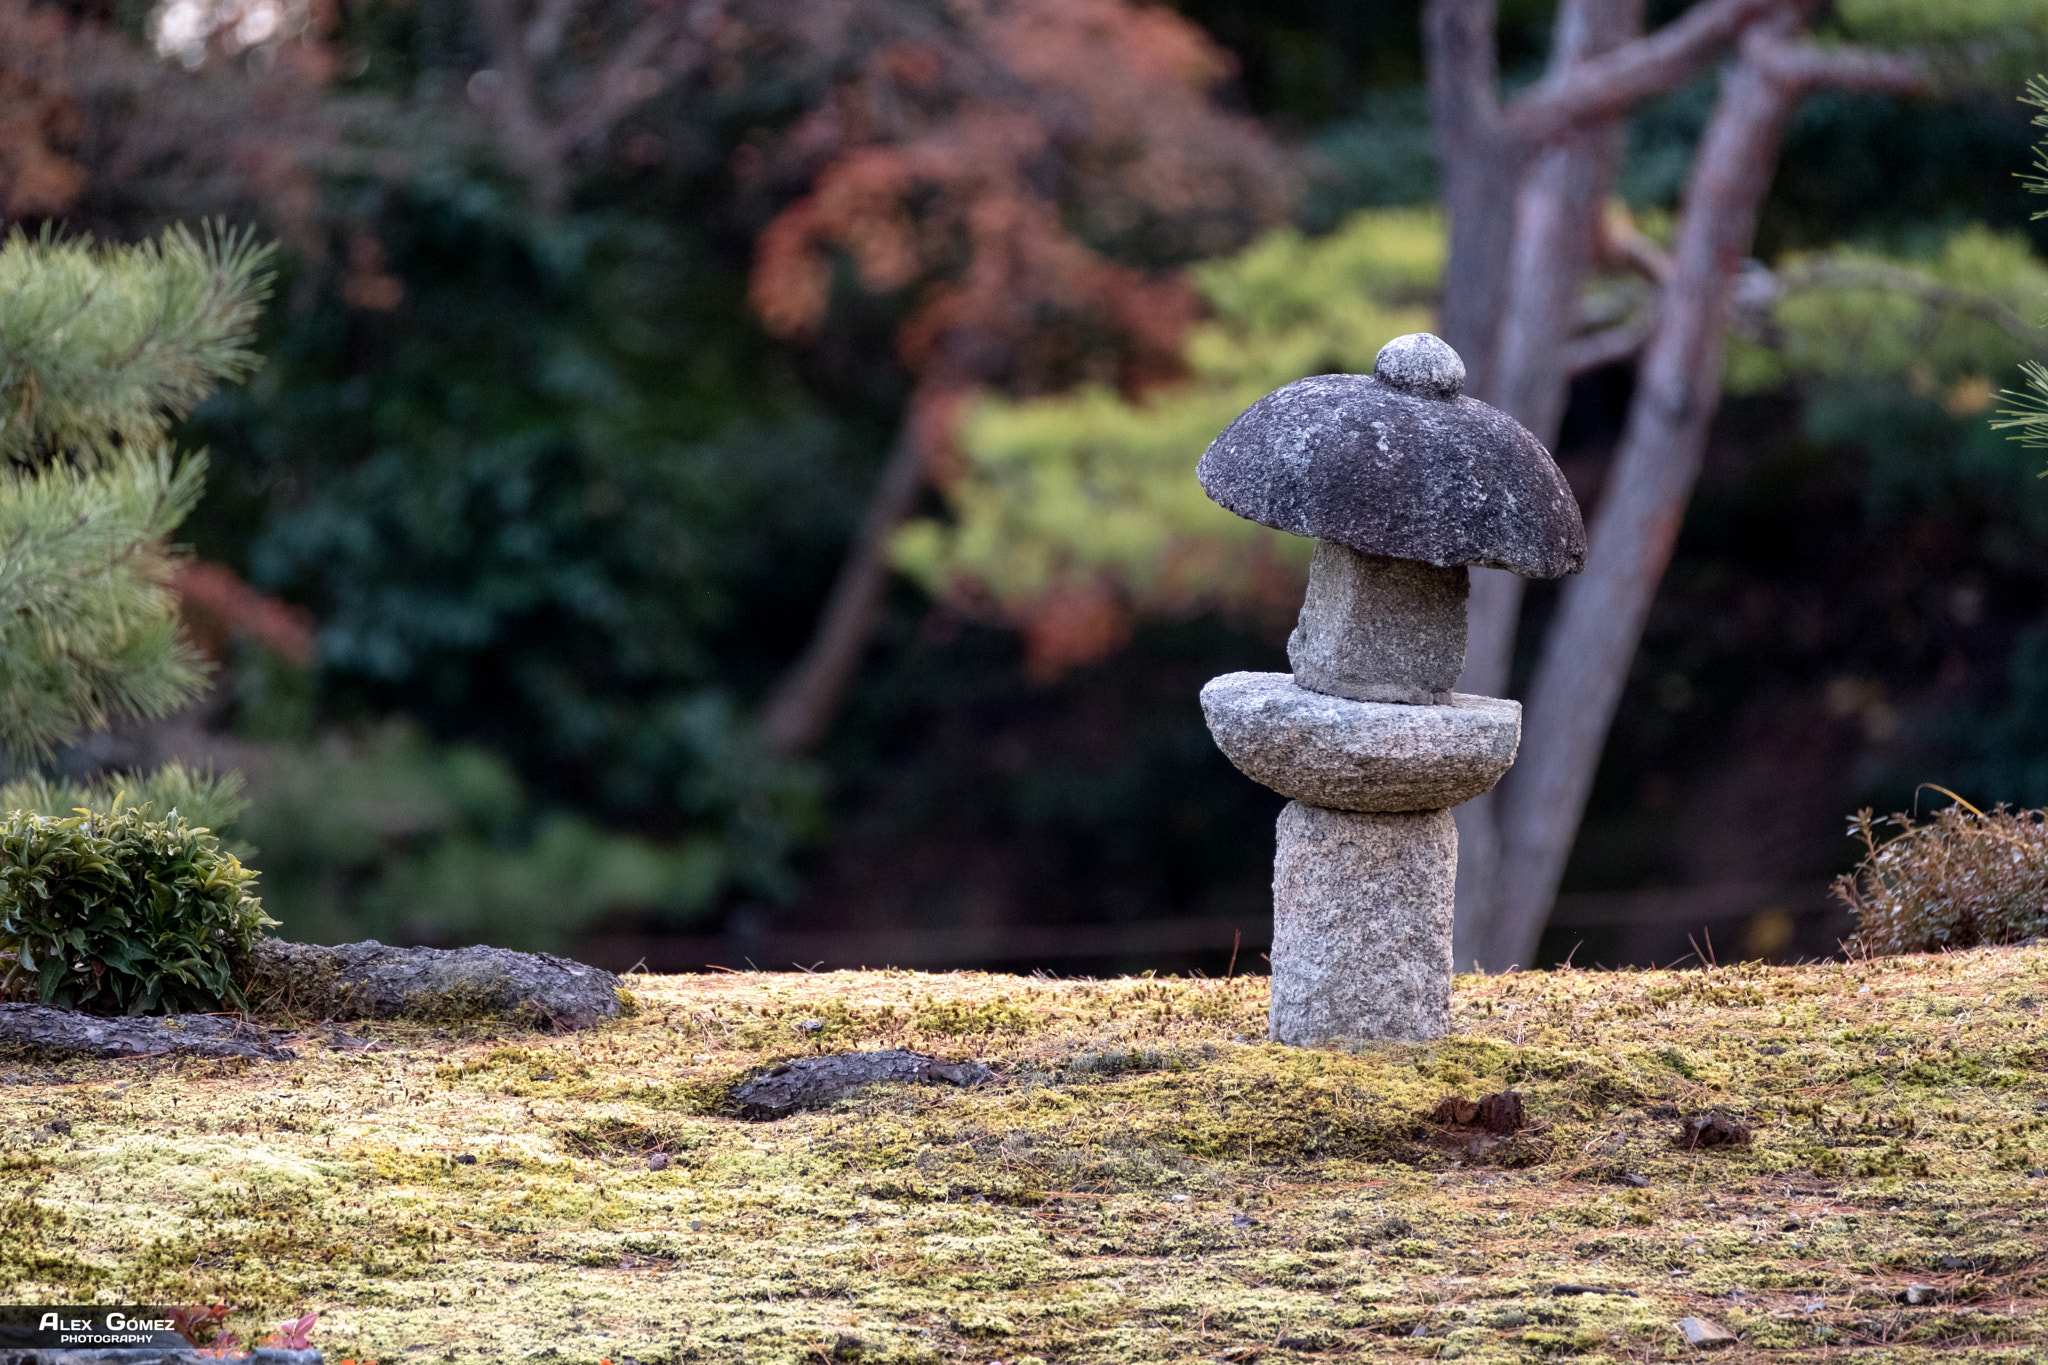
1806, 66
518, 124
1625, 244
627, 81
800, 710
1606, 87
1608, 346
544, 34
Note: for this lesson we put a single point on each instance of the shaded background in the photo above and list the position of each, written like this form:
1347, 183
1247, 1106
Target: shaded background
552, 511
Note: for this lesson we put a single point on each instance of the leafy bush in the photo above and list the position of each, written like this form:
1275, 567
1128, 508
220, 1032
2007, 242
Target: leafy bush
123, 913
1970, 877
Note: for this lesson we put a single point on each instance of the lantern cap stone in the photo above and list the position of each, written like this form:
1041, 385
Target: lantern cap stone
1399, 464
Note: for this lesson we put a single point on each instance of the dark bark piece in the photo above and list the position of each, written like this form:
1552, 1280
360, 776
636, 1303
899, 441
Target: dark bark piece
1711, 1130
810, 1082
1500, 1114
89, 1035
372, 981
1344, 457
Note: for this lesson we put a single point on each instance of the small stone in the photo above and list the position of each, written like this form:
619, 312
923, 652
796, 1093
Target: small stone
1360, 755
1379, 629
657, 1161
1705, 1334
1421, 364
810, 1026
1636, 1182
1711, 1130
1920, 1294
1362, 925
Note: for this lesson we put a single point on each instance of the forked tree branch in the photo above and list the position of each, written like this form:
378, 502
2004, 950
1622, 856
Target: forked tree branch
1608, 86
1591, 643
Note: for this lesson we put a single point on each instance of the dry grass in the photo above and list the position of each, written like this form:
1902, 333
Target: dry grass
1964, 879
1141, 1183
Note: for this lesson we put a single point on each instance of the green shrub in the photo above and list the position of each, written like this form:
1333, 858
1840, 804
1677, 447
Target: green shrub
201, 795
1969, 877
122, 913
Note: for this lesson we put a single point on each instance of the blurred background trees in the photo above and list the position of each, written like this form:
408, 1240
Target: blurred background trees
721, 467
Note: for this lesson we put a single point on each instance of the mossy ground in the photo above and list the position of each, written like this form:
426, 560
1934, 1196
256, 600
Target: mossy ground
1146, 1180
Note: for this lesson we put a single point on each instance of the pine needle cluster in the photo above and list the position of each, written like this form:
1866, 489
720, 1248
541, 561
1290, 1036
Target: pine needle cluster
102, 347
2028, 412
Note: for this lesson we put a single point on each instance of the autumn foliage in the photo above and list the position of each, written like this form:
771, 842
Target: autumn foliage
1024, 179
1020, 175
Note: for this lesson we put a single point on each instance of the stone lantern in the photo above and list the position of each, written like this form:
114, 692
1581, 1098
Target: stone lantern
1403, 483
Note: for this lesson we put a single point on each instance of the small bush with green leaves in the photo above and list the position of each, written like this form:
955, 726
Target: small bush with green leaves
122, 913
1966, 878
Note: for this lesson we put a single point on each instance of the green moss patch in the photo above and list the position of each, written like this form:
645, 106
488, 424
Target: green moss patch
1145, 1179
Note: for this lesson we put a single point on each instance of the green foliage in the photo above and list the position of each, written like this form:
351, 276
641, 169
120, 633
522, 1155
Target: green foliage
1065, 489
88, 629
124, 913
552, 506
101, 347
1940, 325
1966, 879
392, 837
204, 798
2028, 412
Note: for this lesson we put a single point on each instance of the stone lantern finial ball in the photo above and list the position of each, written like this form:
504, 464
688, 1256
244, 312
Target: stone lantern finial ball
1422, 365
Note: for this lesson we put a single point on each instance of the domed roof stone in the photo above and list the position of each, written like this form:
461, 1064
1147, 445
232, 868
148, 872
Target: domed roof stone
1399, 464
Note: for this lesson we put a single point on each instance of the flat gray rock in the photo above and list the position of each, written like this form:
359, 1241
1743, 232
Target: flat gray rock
69, 1033
809, 1082
1348, 458
1360, 755
1362, 910
375, 981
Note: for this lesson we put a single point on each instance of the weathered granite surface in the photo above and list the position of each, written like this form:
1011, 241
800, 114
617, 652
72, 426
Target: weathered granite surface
69, 1033
1379, 629
1421, 364
808, 1082
373, 981
1347, 458
1358, 755
1362, 925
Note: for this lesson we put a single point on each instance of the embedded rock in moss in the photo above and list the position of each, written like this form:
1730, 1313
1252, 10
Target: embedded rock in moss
370, 980
810, 1082
69, 1033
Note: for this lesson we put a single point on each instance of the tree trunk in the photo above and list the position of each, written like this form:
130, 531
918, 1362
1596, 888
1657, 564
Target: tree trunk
800, 711
1556, 218
1464, 80
1588, 651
